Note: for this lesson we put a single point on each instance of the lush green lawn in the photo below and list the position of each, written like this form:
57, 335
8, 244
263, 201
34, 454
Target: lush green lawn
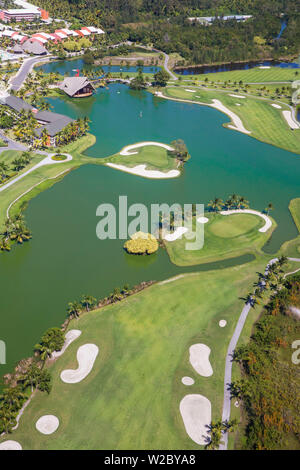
155, 158
255, 75
41, 178
295, 211
224, 237
131, 398
258, 116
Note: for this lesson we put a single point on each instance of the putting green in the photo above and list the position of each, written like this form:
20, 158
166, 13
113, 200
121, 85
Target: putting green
234, 225
154, 157
224, 237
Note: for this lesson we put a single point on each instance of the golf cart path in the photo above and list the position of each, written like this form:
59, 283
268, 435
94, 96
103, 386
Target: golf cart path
228, 361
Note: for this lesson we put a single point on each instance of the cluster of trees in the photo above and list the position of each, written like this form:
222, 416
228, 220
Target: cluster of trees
73, 131
216, 430
164, 23
16, 165
180, 151
233, 202
14, 230
141, 244
269, 387
33, 377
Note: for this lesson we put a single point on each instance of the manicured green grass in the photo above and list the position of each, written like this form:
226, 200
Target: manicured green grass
258, 116
224, 237
46, 175
294, 207
2, 143
155, 158
255, 75
131, 398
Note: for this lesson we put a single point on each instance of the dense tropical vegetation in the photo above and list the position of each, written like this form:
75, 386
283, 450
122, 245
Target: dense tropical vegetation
165, 24
269, 387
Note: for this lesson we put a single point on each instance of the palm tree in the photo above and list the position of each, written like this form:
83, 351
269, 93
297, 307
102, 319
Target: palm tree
269, 208
44, 351
3, 169
242, 203
215, 204
74, 309
7, 420
44, 105
87, 301
13, 397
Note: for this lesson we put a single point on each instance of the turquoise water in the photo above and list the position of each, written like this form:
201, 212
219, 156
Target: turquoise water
65, 259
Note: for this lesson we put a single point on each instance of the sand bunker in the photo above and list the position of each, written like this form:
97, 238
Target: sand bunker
237, 122
222, 323
264, 67
86, 356
47, 424
202, 220
140, 170
267, 219
70, 337
238, 96
238, 104
276, 106
196, 415
170, 237
127, 150
187, 381
10, 445
295, 311
191, 91
289, 119
199, 359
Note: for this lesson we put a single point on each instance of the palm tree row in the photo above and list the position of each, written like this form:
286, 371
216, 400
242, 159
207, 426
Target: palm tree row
88, 302
271, 280
233, 202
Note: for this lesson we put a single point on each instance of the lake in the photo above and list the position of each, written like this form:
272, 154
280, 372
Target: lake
65, 259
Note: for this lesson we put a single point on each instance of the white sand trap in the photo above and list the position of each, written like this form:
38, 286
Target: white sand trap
140, 170
187, 381
289, 119
222, 323
264, 67
10, 445
199, 359
296, 312
202, 220
276, 105
196, 414
47, 424
238, 96
190, 91
238, 104
171, 237
86, 356
70, 337
267, 219
237, 122
127, 150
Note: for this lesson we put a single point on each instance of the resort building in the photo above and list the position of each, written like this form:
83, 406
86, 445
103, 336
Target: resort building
77, 87
208, 20
19, 14
53, 123
34, 46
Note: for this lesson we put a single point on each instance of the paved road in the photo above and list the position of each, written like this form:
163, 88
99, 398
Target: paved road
228, 361
17, 81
